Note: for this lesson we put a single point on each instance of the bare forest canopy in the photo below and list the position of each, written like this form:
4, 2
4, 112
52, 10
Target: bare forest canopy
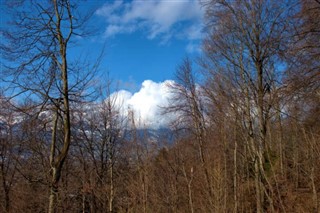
246, 137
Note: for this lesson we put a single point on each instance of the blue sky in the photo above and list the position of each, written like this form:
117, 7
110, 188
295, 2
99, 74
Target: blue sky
145, 42
146, 39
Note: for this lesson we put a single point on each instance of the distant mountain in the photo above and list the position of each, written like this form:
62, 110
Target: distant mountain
161, 136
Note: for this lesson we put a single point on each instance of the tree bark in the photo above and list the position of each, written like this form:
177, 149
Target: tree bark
58, 162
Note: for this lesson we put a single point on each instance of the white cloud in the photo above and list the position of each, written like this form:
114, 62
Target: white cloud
159, 18
109, 8
146, 104
112, 30
193, 48
194, 32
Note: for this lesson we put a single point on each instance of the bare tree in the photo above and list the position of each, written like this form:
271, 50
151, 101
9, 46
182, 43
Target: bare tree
38, 66
101, 130
187, 102
9, 151
245, 133
244, 43
304, 49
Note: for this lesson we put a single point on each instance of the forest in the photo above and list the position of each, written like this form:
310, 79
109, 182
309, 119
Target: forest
246, 137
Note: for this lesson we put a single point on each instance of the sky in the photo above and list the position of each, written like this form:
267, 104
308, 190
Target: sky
146, 40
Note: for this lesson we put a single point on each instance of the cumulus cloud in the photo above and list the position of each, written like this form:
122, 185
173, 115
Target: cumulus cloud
146, 104
159, 18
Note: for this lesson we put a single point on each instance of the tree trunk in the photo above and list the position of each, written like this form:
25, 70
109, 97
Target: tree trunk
111, 192
235, 178
53, 192
189, 185
57, 164
53, 186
